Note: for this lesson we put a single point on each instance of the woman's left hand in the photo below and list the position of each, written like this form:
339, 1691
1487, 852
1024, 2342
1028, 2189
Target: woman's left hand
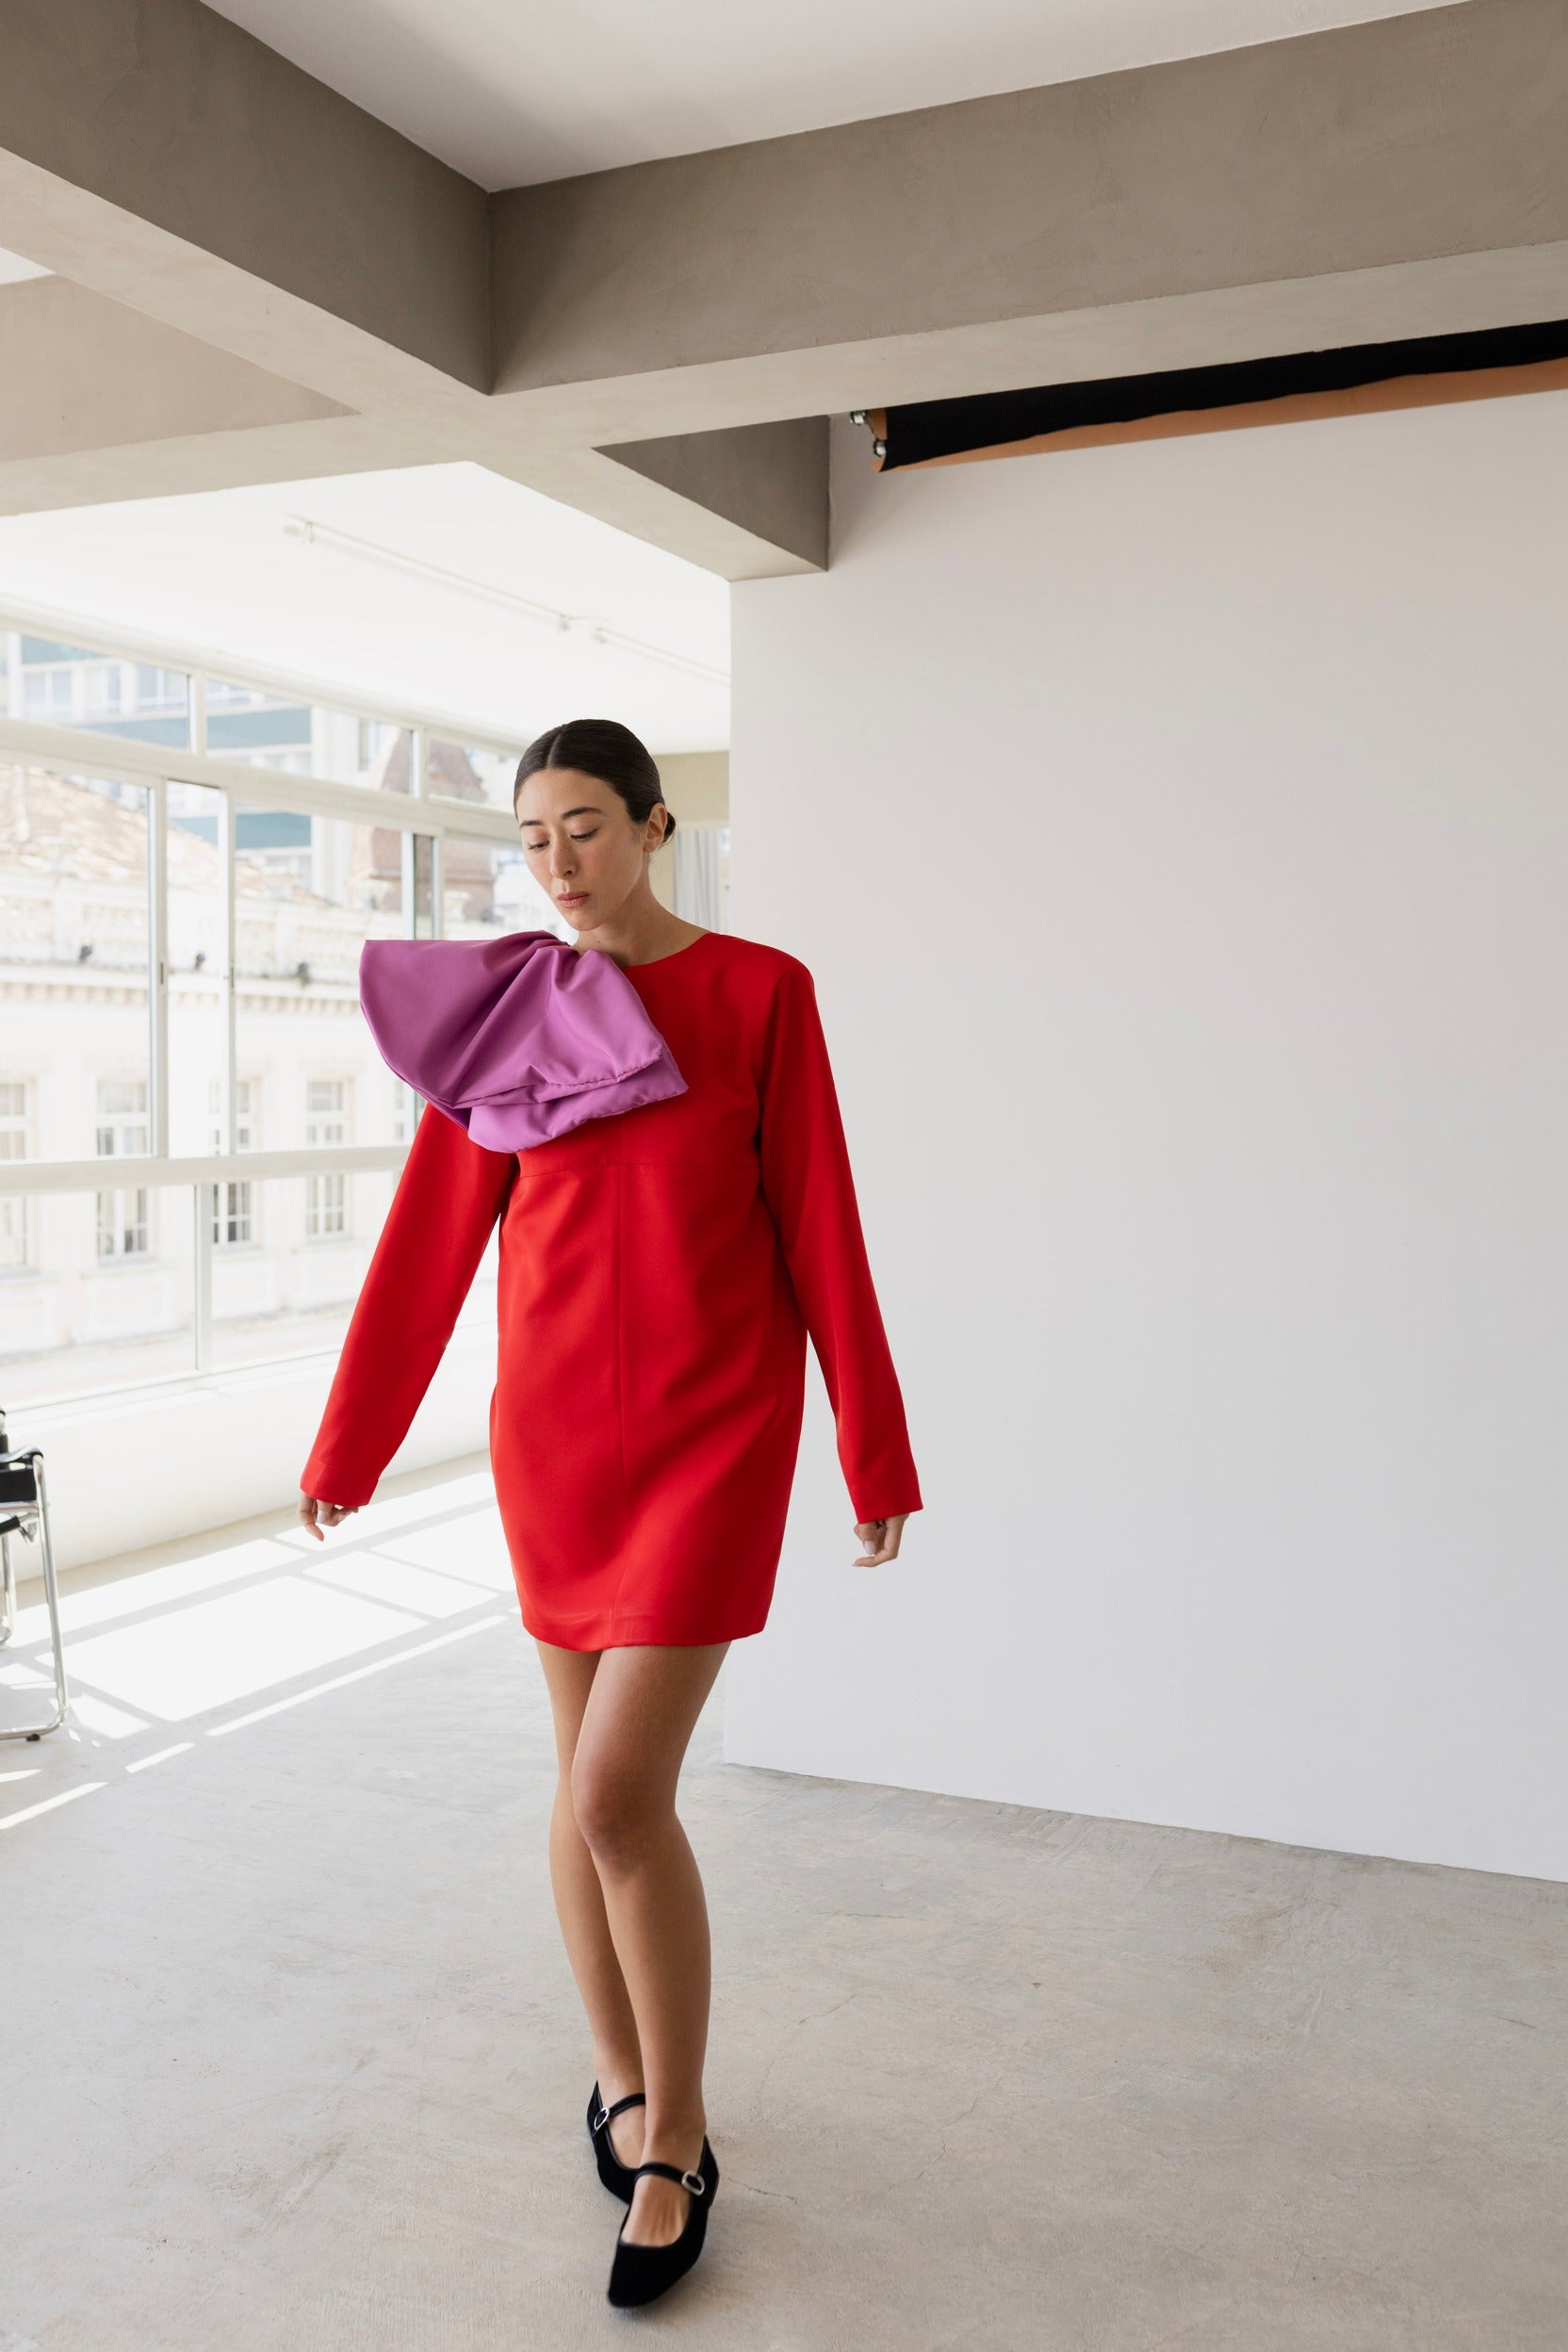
880, 1538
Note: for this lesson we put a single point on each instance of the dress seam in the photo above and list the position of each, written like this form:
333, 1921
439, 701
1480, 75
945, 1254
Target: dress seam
620, 1380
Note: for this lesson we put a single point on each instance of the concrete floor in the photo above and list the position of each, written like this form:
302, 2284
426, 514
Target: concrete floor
294, 2062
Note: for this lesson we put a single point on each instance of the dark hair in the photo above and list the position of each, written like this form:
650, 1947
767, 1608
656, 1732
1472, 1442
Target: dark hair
605, 749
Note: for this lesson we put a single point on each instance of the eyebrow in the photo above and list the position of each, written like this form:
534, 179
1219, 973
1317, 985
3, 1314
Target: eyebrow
589, 808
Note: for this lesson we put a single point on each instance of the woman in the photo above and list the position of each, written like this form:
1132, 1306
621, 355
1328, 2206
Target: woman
687, 1216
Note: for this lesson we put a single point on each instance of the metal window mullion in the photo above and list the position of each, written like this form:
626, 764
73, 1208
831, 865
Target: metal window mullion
229, 1091
437, 890
410, 875
204, 1198
157, 966
196, 688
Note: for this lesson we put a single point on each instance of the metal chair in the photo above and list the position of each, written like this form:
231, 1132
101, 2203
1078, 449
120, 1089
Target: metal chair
24, 1512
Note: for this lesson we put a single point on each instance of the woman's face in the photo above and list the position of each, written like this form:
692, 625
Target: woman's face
583, 845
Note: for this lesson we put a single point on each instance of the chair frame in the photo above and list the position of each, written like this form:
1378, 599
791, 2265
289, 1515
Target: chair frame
24, 1512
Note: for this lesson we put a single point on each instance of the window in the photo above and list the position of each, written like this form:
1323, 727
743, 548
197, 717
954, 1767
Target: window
326, 1123
165, 937
470, 771
72, 686
233, 1215
16, 1127
375, 738
102, 686
159, 690
309, 891
123, 1134
265, 730
47, 694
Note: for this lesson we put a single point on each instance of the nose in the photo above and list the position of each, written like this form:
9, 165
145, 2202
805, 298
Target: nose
561, 860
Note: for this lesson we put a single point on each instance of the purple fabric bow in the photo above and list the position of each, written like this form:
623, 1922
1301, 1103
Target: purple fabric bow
518, 1038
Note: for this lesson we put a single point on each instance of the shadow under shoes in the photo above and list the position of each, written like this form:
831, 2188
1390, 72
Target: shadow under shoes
619, 2179
639, 2273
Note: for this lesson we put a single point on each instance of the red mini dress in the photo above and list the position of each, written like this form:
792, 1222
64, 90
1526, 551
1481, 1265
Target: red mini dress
659, 1272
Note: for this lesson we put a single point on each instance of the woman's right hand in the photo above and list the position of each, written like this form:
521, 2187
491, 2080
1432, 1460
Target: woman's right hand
318, 1516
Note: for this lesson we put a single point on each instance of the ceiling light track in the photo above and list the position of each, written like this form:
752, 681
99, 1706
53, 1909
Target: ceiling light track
581, 625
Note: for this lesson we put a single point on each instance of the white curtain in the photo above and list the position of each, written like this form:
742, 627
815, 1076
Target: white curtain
699, 875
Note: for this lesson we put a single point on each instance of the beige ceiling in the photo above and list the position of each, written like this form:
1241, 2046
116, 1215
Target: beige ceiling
513, 95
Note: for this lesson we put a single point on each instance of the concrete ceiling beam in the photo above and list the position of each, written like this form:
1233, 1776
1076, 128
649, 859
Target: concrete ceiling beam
777, 526
660, 345
769, 481
151, 150
83, 373
927, 249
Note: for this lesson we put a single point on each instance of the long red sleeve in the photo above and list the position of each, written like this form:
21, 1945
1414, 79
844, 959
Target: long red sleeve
447, 1198
810, 1188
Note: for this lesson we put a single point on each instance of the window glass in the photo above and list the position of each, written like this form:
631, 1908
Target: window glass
72, 686
106, 1300
301, 737
73, 953
468, 772
261, 730
123, 1228
309, 891
234, 1217
107, 1296
326, 1124
291, 1288
486, 889
695, 871
18, 1240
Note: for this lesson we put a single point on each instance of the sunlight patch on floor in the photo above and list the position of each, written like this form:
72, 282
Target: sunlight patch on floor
378, 1576
171, 1641
184, 1661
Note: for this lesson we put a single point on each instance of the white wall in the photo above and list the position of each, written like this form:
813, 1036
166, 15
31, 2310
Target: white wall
226, 1449
1178, 835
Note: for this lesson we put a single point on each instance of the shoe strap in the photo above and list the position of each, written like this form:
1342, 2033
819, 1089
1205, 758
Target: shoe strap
692, 2182
608, 2114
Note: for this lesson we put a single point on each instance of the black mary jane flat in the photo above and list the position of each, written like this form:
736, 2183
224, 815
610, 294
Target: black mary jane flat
639, 2273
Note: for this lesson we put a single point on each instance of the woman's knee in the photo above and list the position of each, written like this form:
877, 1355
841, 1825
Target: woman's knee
619, 1816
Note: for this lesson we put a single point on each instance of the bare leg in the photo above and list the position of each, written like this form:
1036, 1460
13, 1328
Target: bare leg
641, 1706
580, 1907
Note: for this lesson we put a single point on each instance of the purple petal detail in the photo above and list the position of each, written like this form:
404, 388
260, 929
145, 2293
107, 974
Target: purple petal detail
518, 1038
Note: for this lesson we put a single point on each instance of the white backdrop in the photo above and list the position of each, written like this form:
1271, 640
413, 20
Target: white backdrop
1178, 835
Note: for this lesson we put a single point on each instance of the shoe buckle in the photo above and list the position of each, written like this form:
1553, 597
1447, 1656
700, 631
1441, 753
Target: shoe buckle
695, 2181
600, 2120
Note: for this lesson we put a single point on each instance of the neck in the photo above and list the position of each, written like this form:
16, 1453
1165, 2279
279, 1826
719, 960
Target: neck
640, 932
